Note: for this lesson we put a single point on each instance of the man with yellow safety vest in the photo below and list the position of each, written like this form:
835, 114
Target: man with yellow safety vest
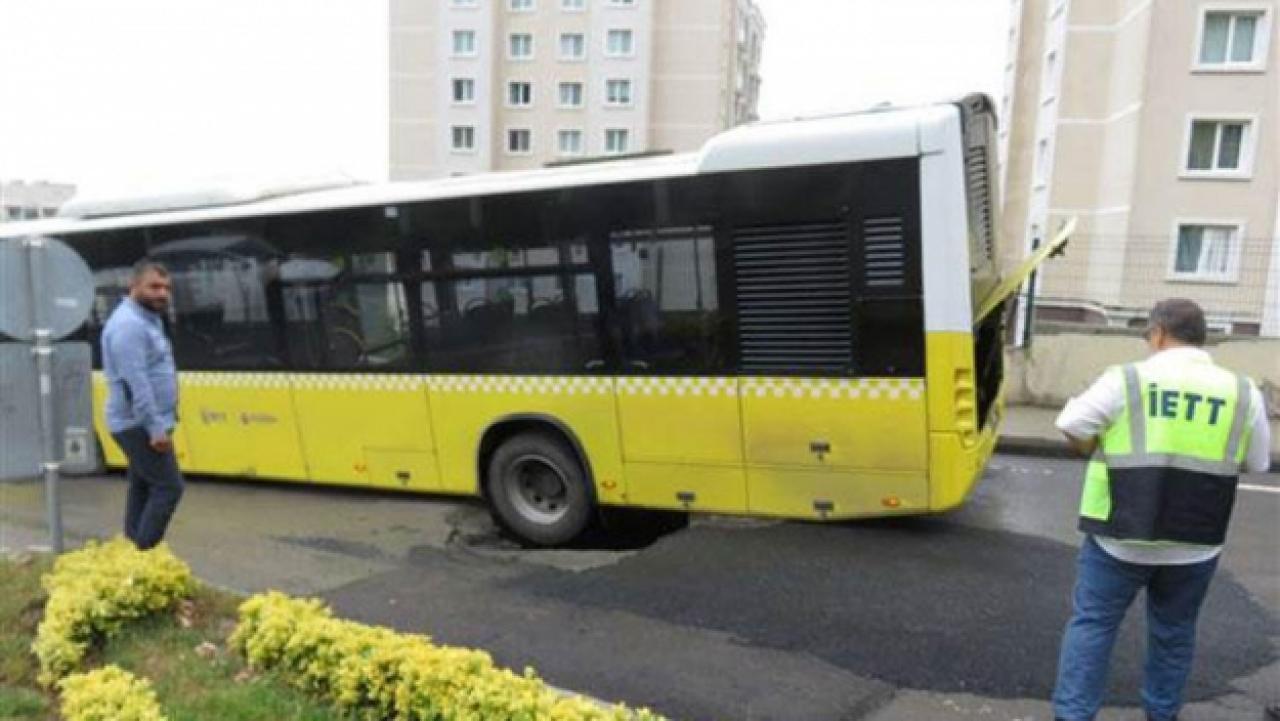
1167, 437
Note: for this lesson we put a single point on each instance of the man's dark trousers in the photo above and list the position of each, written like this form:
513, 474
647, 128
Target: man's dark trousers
155, 487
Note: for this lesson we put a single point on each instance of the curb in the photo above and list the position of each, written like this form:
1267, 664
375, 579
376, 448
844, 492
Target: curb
1035, 446
1045, 448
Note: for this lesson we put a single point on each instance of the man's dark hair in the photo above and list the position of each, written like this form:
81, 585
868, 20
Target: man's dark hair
1180, 318
147, 265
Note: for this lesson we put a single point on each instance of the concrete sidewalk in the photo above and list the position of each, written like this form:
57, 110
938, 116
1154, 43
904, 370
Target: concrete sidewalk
1029, 430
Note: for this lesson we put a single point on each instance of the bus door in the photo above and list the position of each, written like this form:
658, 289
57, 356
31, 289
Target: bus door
237, 414
680, 421
361, 415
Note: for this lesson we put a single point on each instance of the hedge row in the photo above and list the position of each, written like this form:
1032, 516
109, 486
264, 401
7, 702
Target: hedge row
108, 694
375, 673
94, 591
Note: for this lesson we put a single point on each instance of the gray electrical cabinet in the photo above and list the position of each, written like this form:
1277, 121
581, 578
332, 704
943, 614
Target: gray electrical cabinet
20, 447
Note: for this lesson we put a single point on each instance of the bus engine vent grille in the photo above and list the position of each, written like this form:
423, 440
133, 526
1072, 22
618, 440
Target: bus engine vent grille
794, 298
885, 263
977, 175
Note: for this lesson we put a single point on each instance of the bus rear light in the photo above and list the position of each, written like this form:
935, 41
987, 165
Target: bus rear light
966, 405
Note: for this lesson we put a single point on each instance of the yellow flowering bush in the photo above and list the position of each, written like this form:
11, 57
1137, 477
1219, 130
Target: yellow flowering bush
108, 694
96, 590
376, 673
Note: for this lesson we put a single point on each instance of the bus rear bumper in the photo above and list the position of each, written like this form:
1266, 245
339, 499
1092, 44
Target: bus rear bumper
956, 463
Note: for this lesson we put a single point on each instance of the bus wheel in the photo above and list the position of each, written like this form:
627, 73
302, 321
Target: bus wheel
538, 489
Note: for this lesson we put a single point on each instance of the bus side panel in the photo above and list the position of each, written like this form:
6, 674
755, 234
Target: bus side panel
682, 443
959, 447
844, 448
366, 428
464, 407
242, 424
112, 456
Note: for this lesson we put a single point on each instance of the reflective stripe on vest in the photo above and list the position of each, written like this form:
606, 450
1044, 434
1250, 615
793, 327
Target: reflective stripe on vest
1167, 468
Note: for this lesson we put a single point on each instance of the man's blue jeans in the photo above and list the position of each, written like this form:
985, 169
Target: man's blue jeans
155, 487
1104, 589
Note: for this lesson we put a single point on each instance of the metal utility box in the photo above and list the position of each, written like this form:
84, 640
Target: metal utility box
20, 449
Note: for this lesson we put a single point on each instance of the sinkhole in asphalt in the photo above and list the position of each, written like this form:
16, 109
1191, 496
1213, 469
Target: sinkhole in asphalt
919, 603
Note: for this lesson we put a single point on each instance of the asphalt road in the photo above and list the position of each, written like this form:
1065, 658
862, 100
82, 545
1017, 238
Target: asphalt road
944, 617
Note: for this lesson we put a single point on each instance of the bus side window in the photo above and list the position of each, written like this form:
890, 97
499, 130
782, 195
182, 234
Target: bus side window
665, 299
220, 311
346, 312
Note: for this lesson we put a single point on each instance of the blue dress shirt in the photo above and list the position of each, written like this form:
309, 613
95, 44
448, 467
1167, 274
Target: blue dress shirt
142, 380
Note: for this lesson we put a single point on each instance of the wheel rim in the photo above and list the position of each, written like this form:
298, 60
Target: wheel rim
537, 489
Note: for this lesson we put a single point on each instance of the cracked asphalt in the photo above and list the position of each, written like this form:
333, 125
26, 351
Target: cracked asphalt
946, 617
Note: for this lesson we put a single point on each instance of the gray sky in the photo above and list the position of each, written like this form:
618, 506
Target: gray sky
113, 93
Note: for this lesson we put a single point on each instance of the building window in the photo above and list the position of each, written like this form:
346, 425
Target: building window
520, 94
1206, 252
573, 6
570, 95
1048, 88
569, 142
463, 138
1233, 40
522, 6
1219, 148
617, 140
619, 43
519, 141
618, 92
1042, 161
573, 46
463, 3
622, 3
464, 43
464, 91
520, 46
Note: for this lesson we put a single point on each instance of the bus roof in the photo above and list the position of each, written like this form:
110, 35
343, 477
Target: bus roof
850, 137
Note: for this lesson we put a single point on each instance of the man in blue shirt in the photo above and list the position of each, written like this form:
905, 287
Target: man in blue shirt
142, 402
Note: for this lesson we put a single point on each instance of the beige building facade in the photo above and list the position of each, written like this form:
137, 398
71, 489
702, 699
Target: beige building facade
1154, 123
488, 85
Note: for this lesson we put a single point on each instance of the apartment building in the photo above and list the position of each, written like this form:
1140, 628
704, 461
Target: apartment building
20, 200
486, 85
1154, 122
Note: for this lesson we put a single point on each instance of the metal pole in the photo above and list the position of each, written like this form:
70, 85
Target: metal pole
1029, 307
43, 352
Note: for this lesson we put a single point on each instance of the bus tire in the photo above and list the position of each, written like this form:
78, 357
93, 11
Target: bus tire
538, 489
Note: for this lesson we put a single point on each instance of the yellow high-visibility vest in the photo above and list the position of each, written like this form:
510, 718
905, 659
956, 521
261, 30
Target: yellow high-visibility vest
1167, 468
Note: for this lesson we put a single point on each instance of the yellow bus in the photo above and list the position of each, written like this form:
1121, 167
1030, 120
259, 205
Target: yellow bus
804, 319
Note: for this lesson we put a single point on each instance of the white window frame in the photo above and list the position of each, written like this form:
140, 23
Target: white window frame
582, 143
1248, 147
573, 6
453, 43
506, 140
532, 7
463, 151
510, 46
1232, 274
1261, 39
582, 94
519, 106
609, 33
453, 98
580, 57
631, 94
604, 145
